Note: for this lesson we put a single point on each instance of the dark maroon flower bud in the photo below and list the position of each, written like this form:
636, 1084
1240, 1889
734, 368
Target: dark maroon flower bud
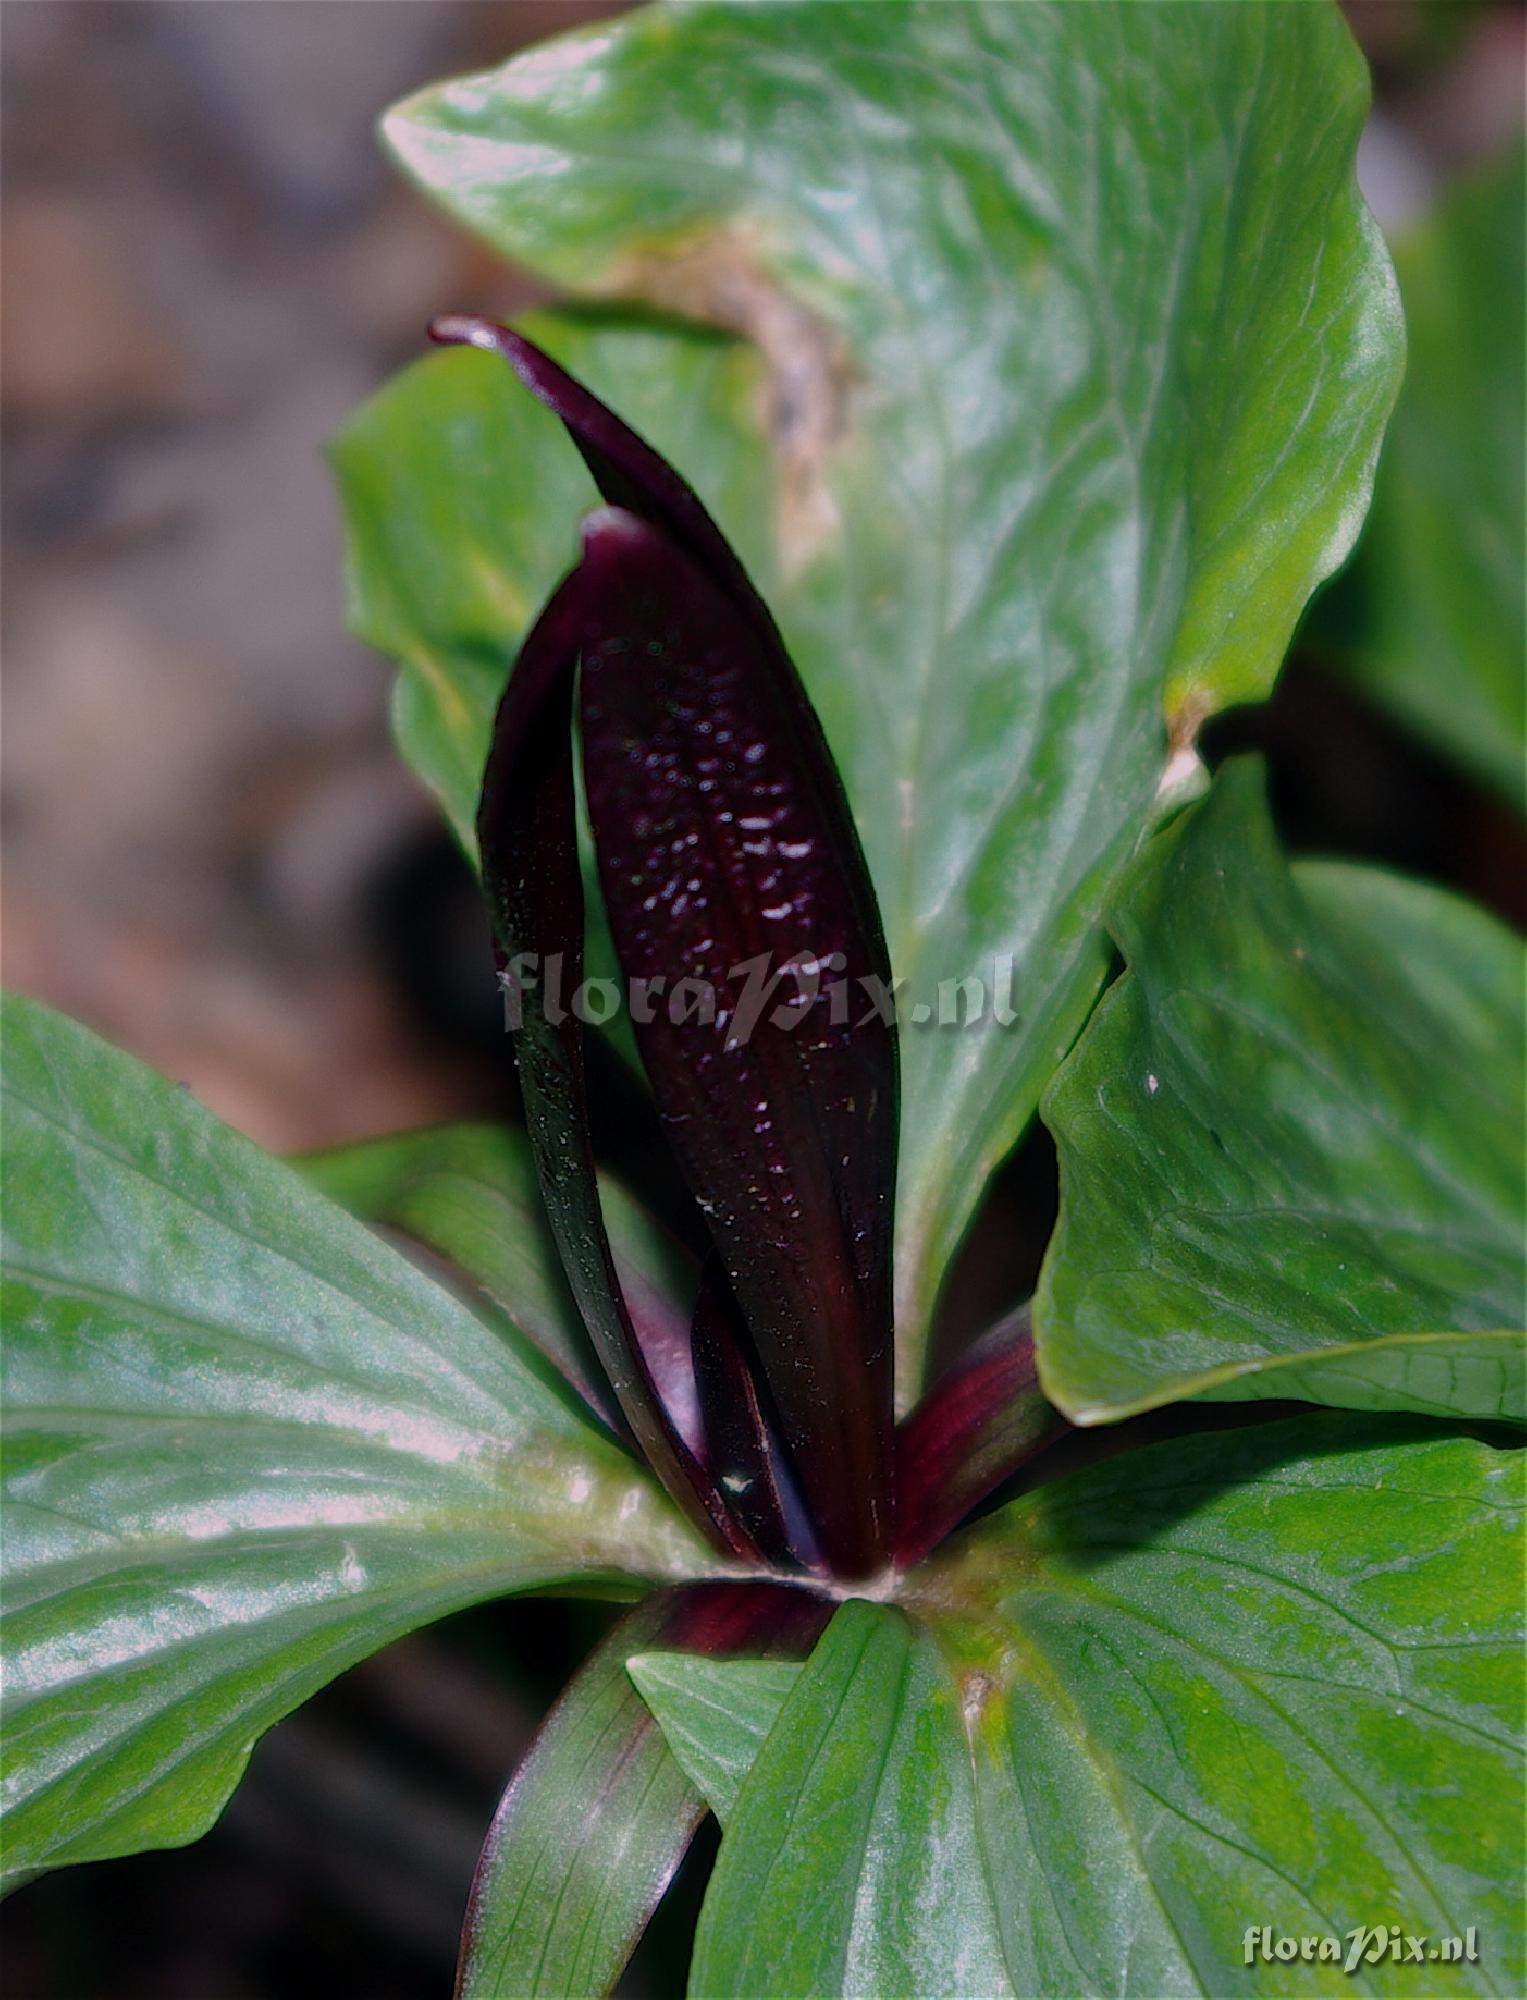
727, 860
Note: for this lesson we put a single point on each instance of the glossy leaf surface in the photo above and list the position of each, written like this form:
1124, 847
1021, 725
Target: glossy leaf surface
246, 1443
1290, 1141
469, 1194
1263, 1677
1075, 374
1429, 617
1266, 1676
585, 1840
600, 1813
851, 1862
715, 1714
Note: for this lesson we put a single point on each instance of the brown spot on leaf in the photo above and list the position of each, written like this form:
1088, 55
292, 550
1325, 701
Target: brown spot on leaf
718, 277
1186, 719
1182, 774
977, 1690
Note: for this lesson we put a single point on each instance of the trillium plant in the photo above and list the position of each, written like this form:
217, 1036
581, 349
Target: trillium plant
1161, 1638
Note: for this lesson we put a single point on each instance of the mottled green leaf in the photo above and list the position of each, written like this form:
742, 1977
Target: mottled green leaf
851, 1863
1074, 349
1269, 1677
1264, 1677
246, 1443
598, 1816
585, 1841
469, 1193
1290, 1141
1429, 616
714, 1713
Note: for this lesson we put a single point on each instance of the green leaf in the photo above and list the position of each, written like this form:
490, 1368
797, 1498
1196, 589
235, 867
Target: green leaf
1290, 1141
851, 1863
246, 1443
598, 1816
1261, 1677
1270, 1676
1074, 345
714, 1713
585, 1841
469, 1193
1429, 617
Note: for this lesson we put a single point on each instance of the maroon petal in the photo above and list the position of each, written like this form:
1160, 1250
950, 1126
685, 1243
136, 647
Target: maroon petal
980, 1422
787, 1138
526, 834
666, 1344
742, 1447
716, 814
625, 468
632, 476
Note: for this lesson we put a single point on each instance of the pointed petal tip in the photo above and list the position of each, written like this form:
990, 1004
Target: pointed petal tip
539, 373
465, 330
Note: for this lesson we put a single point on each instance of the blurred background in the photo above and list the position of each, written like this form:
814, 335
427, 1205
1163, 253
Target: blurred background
212, 856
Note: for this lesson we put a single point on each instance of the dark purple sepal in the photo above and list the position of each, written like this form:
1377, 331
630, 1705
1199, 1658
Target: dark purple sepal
625, 468
532, 880
747, 1620
982, 1420
742, 1448
715, 815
